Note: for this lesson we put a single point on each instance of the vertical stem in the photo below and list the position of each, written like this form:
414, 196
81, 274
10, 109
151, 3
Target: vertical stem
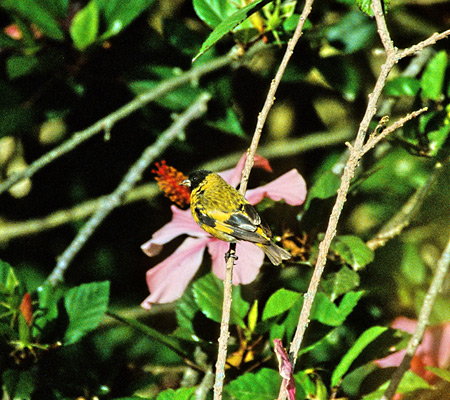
224, 325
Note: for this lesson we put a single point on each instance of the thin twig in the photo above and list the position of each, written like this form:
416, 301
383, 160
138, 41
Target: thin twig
196, 110
375, 139
10, 230
357, 151
106, 123
422, 322
225, 323
403, 218
270, 98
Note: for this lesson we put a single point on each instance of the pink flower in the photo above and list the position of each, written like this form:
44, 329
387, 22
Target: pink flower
168, 280
434, 351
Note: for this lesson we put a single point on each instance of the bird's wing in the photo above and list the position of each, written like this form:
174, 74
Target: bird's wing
237, 224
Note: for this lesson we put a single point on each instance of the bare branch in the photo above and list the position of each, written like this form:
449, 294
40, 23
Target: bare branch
225, 323
375, 139
196, 110
403, 218
106, 123
392, 57
422, 322
224, 334
10, 230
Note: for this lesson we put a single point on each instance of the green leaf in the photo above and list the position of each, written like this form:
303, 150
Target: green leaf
328, 313
438, 139
326, 186
176, 100
57, 8
213, 12
48, 306
361, 343
253, 316
17, 66
179, 394
85, 25
441, 373
208, 294
36, 11
341, 282
402, 86
281, 301
342, 74
291, 22
353, 251
231, 22
185, 311
19, 384
365, 6
85, 306
228, 124
263, 385
433, 77
306, 386
413, 268
8, 279
119, 14
409, 383
353, 32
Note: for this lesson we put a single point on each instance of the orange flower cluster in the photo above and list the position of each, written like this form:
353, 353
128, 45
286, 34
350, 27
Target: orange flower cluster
169, 180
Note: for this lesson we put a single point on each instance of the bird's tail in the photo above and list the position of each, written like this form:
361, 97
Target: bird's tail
275, 253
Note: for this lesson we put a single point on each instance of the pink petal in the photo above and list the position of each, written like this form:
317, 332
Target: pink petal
392, 360
404, 324
284, 365
233, 176
290, 187
246, 267
168, 280
285, 368
182, 223
444, 349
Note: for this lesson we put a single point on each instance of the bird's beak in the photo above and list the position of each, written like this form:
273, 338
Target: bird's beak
186, 182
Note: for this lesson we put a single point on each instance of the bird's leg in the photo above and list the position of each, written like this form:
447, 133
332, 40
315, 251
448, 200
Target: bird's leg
231, 252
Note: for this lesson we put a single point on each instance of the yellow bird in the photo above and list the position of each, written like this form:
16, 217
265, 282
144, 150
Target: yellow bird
224, 213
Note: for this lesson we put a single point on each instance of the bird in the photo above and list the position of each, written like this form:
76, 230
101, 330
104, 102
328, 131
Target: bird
226, 214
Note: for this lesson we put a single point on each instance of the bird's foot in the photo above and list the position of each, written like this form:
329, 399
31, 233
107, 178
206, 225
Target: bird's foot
230, 254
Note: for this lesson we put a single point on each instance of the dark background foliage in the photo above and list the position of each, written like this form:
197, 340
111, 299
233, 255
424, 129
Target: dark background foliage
65, 72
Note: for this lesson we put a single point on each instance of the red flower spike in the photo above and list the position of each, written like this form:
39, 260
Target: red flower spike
169, 180
26, 308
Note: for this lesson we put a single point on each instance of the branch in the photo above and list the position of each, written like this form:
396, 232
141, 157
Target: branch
106, 123
403, 218
10, 230
424, 317
224, 334
392, 57
225, 322
196, 110
376, 138
270, 99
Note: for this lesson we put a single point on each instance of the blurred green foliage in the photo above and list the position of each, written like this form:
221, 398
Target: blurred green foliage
66, 64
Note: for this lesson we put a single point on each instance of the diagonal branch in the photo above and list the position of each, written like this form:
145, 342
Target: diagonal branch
196, 110
106, 123
423, 321
224, 333
392, 57
403, 218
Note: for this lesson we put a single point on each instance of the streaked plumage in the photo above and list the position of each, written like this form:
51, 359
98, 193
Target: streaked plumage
225, 214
